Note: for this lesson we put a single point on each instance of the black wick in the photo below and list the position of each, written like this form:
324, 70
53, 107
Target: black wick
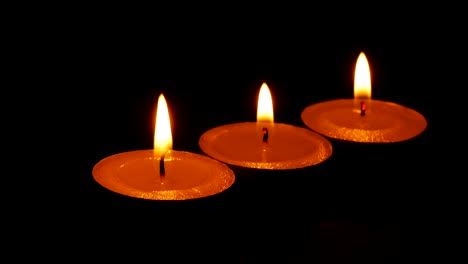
363, 108
265, 134
162, 170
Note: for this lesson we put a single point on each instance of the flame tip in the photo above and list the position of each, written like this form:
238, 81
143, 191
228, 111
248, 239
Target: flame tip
162, 131
265, 104
362, 80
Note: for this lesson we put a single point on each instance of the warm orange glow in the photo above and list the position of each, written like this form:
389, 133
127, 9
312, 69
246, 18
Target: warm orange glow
362, 79
265, 105
162, 130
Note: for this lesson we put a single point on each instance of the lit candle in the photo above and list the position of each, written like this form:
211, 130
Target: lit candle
162, 173
363, 119
265, 144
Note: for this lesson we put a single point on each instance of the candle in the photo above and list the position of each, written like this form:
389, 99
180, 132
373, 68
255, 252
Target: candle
265, 144
363, 119
162, 173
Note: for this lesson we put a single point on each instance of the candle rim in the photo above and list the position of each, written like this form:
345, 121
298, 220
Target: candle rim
314, 158
410, 125
224, 180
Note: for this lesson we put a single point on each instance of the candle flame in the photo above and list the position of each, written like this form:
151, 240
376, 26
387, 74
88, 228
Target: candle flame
162, 129
265, 105
362, 80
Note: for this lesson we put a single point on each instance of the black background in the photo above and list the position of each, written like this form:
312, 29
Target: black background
366, 203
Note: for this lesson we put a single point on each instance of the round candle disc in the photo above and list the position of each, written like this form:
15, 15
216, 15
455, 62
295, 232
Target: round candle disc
382, 121
287, 147
187, 175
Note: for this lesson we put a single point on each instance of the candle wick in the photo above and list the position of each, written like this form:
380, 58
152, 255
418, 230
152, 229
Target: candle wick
162, 170
265, 134
363, 108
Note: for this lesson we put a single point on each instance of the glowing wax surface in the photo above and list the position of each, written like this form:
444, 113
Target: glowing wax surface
288, 146
383, 122
188, 175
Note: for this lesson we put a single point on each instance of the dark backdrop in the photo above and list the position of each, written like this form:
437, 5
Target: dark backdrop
367, 202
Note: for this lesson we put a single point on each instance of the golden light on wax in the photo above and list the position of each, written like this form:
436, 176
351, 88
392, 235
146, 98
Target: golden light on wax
162, 130
362, 119
265, 105
162, 173
264, 144
362, 79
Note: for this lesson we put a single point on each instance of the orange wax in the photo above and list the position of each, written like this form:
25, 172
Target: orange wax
382, 121
187, 175
287, 146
